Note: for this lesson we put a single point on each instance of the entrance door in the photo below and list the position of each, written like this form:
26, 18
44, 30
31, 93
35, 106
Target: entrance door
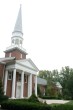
18, 90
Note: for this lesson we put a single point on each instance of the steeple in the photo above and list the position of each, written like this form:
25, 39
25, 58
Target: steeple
17, 32
16, 50
18, 25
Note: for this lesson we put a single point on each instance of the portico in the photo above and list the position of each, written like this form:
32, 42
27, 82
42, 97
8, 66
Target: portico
19, 68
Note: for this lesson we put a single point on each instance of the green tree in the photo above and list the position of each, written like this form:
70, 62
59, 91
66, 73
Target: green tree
66, 80
52, 77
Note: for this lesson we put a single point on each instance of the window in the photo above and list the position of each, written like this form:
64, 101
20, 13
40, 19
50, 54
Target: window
25, 77
9, 75
19, 77
21, 56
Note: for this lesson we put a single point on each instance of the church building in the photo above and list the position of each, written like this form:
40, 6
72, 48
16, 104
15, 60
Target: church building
18, 74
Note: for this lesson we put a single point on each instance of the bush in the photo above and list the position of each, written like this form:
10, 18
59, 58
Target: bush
48, 97
62, 107
25, 105
13, 105
3, 98
33, 98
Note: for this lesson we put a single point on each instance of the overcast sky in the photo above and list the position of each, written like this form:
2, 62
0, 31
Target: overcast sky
47, 28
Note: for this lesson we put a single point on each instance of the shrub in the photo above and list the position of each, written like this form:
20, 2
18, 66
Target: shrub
2, 96
48, 97
62, 107
13, 105
33, 98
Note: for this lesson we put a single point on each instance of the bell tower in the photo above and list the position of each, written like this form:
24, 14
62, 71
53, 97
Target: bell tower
16, 49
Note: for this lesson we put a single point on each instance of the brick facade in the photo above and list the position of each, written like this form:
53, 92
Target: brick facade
9, 86
1, 71
42, 89
16, 53
2, 66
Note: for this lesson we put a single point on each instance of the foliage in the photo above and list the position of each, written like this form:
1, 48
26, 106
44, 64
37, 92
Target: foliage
64, 77
25, 105
50, 97
2, 96
49, 75
66, 80
38, 90
62, 107
1, 88
33, 98
52, 78
51, 91
19, 105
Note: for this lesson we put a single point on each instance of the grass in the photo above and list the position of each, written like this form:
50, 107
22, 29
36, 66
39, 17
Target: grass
70, 102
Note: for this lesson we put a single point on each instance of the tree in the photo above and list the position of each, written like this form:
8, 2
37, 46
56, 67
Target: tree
52, 77
66, 80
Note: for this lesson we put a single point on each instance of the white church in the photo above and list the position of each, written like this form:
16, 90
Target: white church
19, 74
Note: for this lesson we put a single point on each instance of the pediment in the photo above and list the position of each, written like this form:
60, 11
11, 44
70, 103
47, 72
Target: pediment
28, 63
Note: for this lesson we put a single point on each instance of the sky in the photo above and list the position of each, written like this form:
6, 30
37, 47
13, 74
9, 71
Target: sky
47, 28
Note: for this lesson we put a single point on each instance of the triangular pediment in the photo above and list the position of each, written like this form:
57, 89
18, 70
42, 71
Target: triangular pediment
28, 63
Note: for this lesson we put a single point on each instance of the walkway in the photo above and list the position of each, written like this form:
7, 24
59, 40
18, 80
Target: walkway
53, 101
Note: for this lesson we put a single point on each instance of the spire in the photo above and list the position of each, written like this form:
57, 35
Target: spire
18, 24
17, 34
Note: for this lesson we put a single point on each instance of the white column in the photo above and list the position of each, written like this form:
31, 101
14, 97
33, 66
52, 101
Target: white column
29, 85
13, 84
35, 80
5, 82
22, 84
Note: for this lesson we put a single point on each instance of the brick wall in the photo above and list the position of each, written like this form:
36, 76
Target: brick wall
1, 70
17, 54
25, 93
9, 88
25, 89
42, 89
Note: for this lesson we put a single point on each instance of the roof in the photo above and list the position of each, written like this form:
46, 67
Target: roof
18, 24
6, 59
13, 47
41, 81
58, 85
28, 63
